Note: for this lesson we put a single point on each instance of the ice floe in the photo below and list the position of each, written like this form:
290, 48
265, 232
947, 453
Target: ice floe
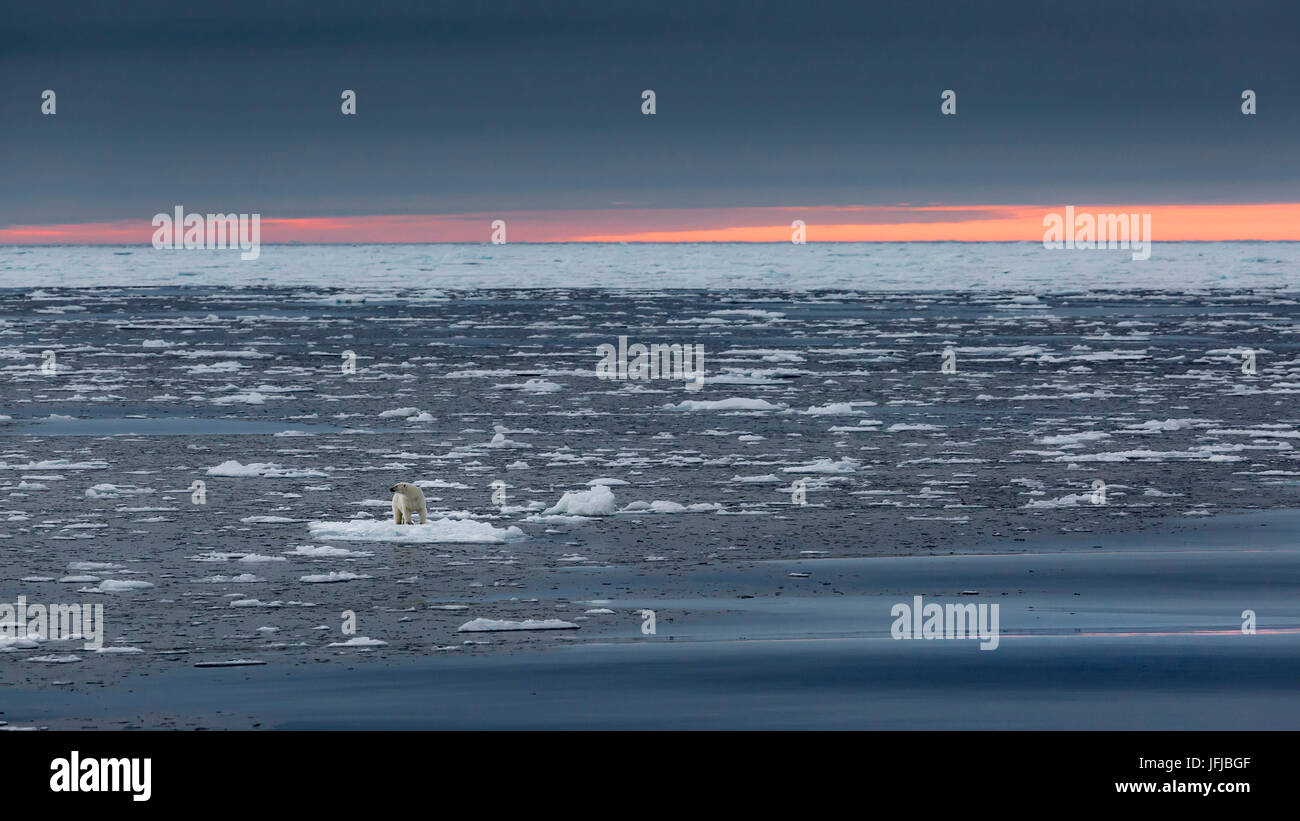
433, 532
500, 625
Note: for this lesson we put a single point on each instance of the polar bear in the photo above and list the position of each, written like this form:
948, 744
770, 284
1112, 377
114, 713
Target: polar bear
407, 499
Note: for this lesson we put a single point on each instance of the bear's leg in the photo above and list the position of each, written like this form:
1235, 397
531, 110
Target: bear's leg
423, 515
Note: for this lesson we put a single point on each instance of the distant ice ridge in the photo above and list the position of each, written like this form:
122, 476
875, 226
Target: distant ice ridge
450, 531
1025, 267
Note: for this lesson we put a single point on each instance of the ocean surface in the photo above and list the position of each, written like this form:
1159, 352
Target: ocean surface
1106, 448
1025, 267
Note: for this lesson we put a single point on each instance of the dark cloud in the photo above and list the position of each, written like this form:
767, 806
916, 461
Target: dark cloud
517, 105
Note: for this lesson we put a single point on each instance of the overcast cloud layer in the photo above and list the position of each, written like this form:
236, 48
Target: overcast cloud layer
474, 106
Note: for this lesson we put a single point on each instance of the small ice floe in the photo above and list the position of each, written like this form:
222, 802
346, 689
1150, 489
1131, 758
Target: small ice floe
79, 579
599, 611
333, 577
231, 663
258, 558
359, 641
269, 520
606, 482
399, 412
242, 578
532, 386
95, 565
118, 586
255, 603
764, 479
734, 403
794, 575
8, 644
435, 531
241, 398
598, 501
500, 625
226, 366
441, 483
833, 409
1167, 425
499, 440
748, 313
233, 468
1072, 438
671, 507
826, 465
68, 659
118, 650
56, 464
261, 470
325, 552
109, 491
868, 425
449, 607
1068, 500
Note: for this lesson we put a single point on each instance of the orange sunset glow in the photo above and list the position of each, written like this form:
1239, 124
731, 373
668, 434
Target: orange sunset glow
899, 223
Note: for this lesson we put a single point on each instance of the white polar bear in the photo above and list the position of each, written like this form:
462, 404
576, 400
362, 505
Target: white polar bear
407, 499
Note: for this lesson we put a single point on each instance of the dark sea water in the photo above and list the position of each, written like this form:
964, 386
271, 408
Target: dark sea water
827, 436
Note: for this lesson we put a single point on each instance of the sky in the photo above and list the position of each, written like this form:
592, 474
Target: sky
766, 112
